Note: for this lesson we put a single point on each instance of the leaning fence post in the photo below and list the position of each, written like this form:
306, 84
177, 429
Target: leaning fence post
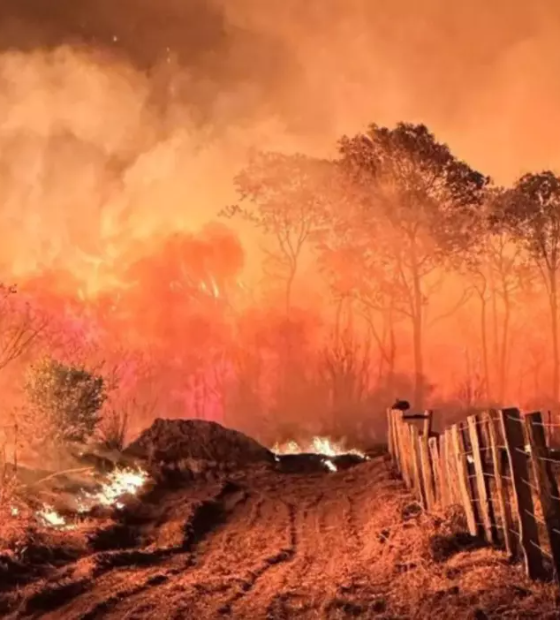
435, 458
415, 455
394, 444
503, 503
463, 478
443, 471
546, 484
512, 426
427, 474
390, 441
482, 486
397, 443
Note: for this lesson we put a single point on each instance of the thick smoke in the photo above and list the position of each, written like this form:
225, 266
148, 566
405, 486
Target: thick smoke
122, 123
125, 119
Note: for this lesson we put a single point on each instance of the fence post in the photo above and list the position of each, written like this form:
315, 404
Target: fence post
505, 510
390, 439
482, 486
396, 440
546, 484
435, 459
397, 443
443, 472
512, 426
415, 455
451, 467
427, 426
463, 479
403, 442
427, 473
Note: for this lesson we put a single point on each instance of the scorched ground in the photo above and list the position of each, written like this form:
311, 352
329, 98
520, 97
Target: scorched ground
272, 541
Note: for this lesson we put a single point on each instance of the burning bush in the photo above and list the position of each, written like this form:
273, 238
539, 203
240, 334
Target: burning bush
64, 403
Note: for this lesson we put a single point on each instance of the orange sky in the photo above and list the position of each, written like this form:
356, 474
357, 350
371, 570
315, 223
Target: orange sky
96, 151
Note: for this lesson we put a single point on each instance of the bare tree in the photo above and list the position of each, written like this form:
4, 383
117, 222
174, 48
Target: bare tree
285, 198
499, 271
20, 325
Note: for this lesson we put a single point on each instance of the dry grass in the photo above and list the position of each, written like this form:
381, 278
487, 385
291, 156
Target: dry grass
434, 568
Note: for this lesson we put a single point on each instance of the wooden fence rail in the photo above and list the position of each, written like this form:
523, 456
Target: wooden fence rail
499, 467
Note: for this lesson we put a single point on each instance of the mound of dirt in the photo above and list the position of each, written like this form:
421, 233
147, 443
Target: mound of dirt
169, 441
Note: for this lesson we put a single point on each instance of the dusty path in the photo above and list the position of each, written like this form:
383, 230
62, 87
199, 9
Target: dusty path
273, 546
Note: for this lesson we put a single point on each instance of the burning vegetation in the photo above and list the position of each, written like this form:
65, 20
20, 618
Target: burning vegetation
230, 239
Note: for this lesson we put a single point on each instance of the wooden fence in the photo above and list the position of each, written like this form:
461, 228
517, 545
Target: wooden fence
498, 467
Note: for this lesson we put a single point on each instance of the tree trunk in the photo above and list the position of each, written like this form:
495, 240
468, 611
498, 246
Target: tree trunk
504, 348
484, 339
391, 357
555, 351
289, 287
418, 362
338, 320
418, 340
495, 331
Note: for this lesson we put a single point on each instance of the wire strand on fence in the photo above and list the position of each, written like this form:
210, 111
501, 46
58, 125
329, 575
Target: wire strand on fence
547, 460
534, 516
496, 525
540, 549
531, 486
546, 424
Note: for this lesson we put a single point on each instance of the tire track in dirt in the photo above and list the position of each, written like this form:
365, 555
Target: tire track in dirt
93, 579
269, 546
208, 519
321, 576
269, 563
224, 565
283, 583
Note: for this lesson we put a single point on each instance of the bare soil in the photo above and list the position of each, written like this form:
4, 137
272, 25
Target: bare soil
268, 544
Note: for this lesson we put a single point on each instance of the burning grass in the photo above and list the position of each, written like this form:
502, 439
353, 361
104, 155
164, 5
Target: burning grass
317, 445
330, 455
34, 533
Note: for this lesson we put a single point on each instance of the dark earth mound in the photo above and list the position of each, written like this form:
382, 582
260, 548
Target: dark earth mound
304, 463
176, 440
308, 463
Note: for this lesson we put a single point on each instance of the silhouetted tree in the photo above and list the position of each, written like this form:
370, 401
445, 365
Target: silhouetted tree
358, 282
425, 200
285, 197
500, 270
531, 212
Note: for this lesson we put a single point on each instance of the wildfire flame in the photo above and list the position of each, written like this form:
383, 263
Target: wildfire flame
318, 445
121, 482
49, 516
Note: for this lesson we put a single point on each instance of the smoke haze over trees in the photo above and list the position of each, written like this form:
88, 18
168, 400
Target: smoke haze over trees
364, 268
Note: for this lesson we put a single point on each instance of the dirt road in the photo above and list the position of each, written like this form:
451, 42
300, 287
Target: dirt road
273, 546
